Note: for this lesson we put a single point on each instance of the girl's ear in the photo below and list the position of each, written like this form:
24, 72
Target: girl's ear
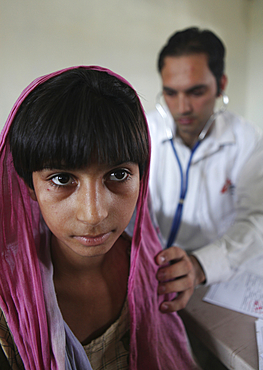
32, 193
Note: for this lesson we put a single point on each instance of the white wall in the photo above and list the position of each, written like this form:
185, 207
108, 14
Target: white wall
254, 106
39, 36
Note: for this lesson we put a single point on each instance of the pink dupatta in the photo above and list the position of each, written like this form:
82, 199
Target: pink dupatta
27, 295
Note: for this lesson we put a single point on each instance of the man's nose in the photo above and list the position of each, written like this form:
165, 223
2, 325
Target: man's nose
92, 203
184, 104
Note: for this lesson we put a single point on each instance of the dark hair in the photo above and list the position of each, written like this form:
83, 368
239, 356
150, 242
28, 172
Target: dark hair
194, 41
76, 117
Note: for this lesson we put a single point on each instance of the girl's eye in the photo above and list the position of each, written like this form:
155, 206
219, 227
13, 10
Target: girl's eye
62, 179
119, 175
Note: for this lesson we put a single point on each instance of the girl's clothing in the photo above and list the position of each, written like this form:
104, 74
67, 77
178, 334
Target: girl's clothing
111, 350
9, 356
27, 294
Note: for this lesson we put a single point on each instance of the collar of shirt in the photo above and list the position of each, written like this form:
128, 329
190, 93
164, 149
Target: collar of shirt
221, 134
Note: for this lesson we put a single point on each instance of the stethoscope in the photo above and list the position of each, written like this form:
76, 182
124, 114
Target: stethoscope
184, 178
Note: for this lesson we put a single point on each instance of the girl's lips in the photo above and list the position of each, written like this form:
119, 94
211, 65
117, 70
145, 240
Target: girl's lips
92, 241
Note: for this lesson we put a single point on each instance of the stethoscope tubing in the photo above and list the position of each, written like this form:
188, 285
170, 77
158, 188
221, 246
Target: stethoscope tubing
184, 187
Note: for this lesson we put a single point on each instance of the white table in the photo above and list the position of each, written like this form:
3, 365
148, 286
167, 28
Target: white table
229, 335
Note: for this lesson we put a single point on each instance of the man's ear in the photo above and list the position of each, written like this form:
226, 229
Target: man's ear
32, 193
223, 83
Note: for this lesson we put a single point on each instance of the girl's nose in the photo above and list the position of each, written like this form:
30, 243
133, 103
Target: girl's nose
92, 203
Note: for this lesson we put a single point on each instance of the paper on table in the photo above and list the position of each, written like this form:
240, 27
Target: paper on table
259, 333
243, 293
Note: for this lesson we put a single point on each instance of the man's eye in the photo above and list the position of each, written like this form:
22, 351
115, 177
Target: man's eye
62, 179
198, 92
118, 175
169, 93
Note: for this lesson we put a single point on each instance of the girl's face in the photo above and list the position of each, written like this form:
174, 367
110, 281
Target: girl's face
89, 208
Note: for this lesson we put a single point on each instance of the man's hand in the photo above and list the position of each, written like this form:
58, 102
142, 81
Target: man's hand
181, 274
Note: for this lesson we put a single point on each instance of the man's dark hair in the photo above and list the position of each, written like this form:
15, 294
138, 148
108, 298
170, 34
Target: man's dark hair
75, 118
195, 41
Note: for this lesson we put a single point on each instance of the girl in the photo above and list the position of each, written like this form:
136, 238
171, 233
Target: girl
76, 292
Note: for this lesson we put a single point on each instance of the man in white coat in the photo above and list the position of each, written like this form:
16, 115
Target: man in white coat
206, 177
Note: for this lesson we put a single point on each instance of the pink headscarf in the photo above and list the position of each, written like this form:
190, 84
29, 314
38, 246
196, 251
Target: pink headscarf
27, 295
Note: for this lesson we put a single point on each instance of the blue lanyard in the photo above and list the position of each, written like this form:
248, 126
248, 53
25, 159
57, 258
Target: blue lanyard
184, 186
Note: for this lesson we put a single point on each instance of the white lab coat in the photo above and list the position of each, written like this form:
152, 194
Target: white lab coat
222, 221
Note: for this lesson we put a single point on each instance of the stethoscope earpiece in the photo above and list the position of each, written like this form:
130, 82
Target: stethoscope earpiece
225, 99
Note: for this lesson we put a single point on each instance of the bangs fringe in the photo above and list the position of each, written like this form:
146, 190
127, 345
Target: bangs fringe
94, 117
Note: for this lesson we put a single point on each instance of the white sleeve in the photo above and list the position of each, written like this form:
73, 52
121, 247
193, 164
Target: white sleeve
244, 239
